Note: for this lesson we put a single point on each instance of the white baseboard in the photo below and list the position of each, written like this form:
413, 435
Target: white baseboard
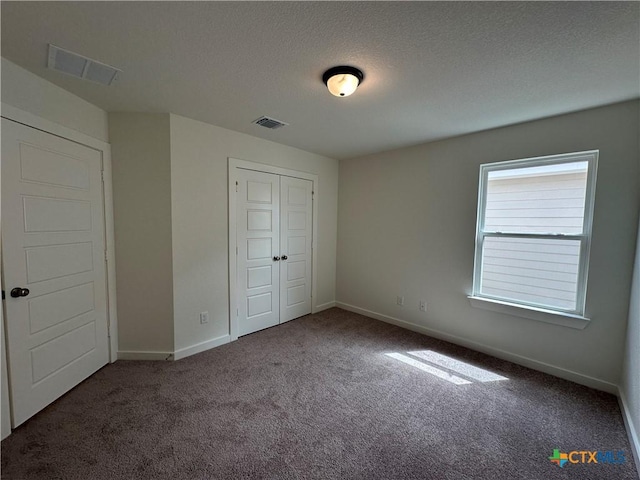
178, 354
324, 306
136, 355
495, 352
201, 347
634, 437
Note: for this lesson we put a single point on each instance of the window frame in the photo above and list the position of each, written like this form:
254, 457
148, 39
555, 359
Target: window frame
530, 309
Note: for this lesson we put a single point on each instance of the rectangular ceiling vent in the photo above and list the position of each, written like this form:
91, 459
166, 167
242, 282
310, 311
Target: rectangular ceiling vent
268, 122
81, 67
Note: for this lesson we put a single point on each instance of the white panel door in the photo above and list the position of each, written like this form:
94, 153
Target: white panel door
273, 232
258, 230
53, 246
295, 246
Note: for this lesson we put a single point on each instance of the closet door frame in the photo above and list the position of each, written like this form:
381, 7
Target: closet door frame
234, 165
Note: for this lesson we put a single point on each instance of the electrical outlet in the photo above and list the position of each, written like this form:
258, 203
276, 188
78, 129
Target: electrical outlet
400, 300
423, 306
204, 317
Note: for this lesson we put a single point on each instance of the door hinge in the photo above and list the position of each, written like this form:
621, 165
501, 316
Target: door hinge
3, 294
102, 175
236, 250
106, 256
236, 185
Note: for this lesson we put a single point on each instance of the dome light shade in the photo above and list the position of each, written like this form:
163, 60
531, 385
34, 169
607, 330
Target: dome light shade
342, 81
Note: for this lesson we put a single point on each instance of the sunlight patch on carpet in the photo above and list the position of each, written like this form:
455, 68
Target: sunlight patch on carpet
444, 367
429, 369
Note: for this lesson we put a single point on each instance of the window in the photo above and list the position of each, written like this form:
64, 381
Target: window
534, 231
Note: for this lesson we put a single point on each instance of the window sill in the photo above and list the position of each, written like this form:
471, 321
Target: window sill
532, 313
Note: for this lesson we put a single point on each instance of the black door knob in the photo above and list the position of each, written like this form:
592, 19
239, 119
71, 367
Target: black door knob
284, 257
19, 292
276, 259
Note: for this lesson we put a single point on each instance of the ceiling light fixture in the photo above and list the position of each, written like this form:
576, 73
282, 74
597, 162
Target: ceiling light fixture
342, 81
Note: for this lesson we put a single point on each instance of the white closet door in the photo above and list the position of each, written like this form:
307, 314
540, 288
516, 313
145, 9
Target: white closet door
296, 211
258, 250
53, 263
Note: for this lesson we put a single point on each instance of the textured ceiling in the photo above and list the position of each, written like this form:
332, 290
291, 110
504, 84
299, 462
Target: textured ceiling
432, 69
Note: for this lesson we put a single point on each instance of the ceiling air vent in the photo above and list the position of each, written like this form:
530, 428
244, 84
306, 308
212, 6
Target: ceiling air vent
268, 122
80, 67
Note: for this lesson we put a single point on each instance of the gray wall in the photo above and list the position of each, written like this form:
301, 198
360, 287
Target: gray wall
630, 384
30, 93
406, 226
171, 227
199, 191
141, 163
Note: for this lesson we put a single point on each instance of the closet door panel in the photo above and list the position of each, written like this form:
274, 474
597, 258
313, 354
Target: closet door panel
258, 246
296, 210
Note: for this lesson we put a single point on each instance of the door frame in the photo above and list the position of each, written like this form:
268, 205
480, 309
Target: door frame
33, 121
234, 165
